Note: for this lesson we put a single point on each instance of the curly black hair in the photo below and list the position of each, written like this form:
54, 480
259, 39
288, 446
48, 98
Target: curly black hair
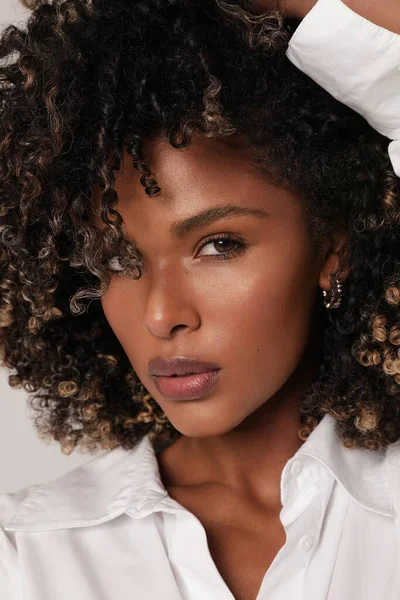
85, 79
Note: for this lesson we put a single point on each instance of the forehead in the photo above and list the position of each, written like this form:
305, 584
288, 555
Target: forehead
205, 162
208, 172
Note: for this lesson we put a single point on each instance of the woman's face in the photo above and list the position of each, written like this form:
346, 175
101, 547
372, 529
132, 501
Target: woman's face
252, 313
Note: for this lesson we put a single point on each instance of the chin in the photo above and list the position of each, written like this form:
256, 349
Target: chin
201, 424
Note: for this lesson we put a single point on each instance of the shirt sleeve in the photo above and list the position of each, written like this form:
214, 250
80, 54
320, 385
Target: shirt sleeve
354, 60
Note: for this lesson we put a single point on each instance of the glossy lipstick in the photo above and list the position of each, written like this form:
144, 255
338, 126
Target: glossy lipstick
183, 377
186, 387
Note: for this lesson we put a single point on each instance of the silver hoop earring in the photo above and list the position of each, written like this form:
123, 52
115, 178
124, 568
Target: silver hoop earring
333, 297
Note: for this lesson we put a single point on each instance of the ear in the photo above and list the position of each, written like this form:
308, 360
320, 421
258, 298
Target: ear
335, 255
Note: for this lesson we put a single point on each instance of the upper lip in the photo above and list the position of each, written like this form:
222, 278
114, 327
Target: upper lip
179, 365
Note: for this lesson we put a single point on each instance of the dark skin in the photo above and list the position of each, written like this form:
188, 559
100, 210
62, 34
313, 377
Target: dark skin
253, 314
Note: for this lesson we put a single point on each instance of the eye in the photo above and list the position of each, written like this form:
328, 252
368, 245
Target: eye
226, 239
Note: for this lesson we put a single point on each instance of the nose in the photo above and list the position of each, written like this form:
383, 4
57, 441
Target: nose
170, 304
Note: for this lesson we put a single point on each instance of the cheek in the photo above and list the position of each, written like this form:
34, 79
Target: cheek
279, 309
273, 320
268, 302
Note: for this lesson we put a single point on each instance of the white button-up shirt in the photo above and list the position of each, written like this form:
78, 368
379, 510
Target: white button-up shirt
109, 530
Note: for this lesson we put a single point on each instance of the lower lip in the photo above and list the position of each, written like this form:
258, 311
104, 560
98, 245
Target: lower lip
187, 387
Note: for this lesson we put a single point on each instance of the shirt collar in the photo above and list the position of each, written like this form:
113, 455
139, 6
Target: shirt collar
120, 481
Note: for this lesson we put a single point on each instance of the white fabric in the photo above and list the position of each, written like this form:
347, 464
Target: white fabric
354, 60
109, 530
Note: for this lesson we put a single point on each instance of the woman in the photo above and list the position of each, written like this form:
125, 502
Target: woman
236, 230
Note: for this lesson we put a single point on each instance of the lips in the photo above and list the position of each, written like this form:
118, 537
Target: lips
187, 387
180, 365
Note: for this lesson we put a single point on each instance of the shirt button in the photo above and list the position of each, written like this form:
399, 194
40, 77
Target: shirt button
296, 468
306, 542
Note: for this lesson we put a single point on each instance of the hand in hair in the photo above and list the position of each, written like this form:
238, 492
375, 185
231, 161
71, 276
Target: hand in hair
384, 13
290, 8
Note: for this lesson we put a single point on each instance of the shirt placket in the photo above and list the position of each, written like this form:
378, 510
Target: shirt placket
302, 516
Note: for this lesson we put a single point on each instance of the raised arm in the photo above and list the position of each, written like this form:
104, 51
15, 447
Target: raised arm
351, 48
385, 13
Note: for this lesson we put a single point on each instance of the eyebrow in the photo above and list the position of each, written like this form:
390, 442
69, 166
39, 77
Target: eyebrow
179, 229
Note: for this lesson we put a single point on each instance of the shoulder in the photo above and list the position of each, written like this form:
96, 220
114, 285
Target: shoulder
11, 501
392, 469
14, 505
49, 496
90, 493
10, 580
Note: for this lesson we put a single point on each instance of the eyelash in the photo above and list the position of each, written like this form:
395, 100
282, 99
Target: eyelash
231, 253
241, 247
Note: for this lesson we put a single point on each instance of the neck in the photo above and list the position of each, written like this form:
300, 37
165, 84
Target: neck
248, 459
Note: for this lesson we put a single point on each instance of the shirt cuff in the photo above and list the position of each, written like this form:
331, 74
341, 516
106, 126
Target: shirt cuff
354, 60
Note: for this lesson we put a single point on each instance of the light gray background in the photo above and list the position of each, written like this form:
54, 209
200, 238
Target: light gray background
24, 459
